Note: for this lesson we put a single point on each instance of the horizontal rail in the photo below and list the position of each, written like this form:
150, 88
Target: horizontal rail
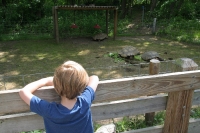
67, 7
111, 90
100, 111
193, 128
118, 97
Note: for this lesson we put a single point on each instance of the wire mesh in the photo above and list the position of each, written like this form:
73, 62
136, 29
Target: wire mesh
104, 73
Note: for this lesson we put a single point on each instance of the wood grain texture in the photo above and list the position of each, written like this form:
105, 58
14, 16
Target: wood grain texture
128, 107
148, 85
31, 121
100, 111
154, 68
10, 101
20, 122
111, 90
178, 111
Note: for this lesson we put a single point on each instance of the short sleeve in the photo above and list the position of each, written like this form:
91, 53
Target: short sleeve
39, 106
88, 94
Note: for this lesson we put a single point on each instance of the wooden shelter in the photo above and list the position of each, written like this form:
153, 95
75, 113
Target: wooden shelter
67, 7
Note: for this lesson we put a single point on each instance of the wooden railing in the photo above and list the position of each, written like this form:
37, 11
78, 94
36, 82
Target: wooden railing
118, 98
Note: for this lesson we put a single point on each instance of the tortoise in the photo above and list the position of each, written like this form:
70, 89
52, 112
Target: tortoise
128, 52
100, 37
147, 56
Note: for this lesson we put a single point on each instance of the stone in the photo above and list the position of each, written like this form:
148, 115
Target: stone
110, 128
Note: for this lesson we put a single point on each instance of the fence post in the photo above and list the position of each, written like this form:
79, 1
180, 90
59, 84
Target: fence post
55, 25
154, 26
115, 24
154, 68
179, 104
54, 29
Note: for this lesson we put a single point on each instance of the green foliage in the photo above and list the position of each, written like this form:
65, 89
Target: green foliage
138, 57
129, 124
159, 118
180, 29
138, 122
85, 20
196, 113
35, 131
172, 8
96, 126
115, 56
178, 20
187, 10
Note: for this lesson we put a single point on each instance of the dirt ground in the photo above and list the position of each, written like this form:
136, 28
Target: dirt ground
98, 62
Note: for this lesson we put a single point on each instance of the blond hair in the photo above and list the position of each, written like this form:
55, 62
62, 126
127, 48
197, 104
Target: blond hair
70, 79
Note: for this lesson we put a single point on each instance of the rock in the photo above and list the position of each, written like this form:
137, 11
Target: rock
110, 128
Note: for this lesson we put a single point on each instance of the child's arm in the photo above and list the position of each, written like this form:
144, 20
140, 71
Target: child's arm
93, 82
27, 92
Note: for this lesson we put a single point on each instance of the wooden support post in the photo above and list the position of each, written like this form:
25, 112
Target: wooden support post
56, 24
178, 112
53, 14
154, 68
115, 24
154, 26
179, 104
107, 22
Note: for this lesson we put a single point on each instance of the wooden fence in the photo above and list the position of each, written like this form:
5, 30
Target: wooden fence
118, 98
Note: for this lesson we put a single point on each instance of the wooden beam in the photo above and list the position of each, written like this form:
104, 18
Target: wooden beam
193, 128
107, 8
56, 25
178, 112
12, 103
115, 25
130, 107
154, 68
179, 103
86, 7
20, 122
111, 90
152, 103
100, 111
31, 121
107, 22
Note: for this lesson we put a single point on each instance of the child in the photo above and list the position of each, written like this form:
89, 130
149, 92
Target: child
77, 91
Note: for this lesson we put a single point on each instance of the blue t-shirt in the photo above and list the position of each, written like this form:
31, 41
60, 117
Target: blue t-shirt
59, 119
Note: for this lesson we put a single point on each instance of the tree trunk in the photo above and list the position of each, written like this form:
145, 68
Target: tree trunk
123, 8
129, 8
3, 3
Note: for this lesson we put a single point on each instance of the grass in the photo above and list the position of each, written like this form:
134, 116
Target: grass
22, 62
35, 131
138, 122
